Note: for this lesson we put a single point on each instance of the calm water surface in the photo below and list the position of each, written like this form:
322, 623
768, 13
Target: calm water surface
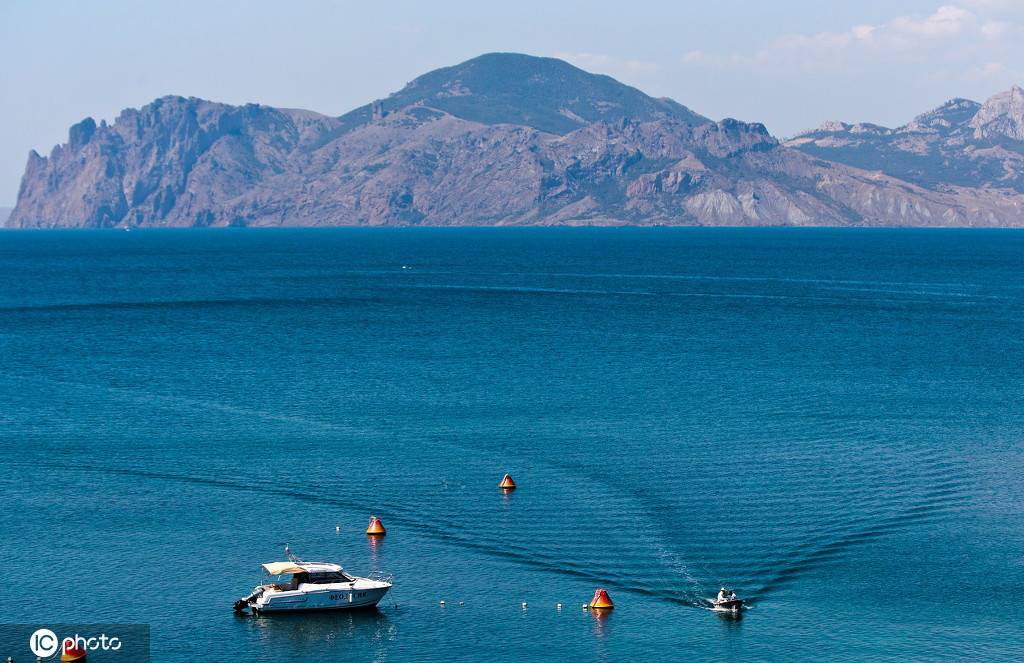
830, 421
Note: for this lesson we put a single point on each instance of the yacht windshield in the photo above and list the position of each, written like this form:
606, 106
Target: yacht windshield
325, 577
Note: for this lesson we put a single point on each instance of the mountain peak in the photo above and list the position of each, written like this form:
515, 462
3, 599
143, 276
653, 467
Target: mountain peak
1002, 115
950, 115
544, 93
832, 126
837, 127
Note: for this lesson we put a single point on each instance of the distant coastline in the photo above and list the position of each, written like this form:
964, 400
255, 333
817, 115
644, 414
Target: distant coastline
511, 139
498, 230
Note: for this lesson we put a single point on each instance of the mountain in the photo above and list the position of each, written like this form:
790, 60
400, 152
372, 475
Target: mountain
503, 139
543, 93
959, 144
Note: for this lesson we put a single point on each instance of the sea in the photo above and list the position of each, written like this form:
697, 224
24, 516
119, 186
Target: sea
828, 421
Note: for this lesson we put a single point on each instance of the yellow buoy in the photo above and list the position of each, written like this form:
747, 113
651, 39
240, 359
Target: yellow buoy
376, 527
601, 600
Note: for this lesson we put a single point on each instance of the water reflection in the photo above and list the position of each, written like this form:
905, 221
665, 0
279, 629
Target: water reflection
730, 620
376, 548
601, 628
601, 619
314, 635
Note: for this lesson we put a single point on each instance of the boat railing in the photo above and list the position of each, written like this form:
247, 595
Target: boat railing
380, 576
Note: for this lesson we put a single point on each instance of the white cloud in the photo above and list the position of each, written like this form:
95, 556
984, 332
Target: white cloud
947, 20
970, 30
696, 57
990, 69
991, 5
997, 71
885, 71
996, 29
863, 31
608, 64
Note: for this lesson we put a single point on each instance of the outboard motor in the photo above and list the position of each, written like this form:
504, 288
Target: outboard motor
243, 603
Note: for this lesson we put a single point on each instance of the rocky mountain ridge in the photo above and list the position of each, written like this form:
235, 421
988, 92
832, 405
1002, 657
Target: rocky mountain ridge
502, 139
960, 143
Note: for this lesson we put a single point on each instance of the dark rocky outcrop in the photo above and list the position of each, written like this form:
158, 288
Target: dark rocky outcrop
500, 140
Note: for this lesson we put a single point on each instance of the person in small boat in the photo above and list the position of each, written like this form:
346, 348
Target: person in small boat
721, 594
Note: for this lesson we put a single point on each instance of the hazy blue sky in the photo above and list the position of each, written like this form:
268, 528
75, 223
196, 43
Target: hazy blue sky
788, 63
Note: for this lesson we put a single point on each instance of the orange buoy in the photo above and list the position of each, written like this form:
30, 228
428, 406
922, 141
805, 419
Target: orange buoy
376, 527
73, 652
601, 600
507, 483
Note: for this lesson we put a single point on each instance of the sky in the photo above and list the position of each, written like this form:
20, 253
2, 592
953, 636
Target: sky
791, 64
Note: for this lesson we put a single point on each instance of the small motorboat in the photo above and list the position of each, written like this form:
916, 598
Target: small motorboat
313, 586
727, 601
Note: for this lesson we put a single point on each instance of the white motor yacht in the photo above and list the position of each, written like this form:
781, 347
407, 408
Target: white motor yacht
313, 586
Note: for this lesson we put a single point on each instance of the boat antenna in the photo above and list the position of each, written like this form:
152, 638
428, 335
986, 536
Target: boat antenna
292, 557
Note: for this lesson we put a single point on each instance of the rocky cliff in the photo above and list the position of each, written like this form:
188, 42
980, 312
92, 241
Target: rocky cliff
502, 139
959, 144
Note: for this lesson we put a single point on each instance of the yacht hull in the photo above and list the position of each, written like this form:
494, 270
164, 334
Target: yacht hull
333, 599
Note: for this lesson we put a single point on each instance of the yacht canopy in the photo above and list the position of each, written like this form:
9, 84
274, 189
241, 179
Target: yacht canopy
280, 568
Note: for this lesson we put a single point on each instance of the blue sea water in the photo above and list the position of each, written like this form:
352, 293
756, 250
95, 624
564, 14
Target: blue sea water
830, 421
